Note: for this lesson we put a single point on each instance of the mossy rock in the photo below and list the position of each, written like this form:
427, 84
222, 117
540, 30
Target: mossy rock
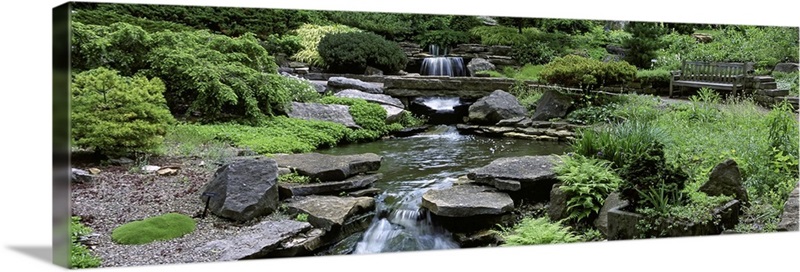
159, 228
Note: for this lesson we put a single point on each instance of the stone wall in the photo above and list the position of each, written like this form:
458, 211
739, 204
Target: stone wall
499, 55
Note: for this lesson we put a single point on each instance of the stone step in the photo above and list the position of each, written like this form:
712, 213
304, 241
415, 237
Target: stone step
773, 92
767, 85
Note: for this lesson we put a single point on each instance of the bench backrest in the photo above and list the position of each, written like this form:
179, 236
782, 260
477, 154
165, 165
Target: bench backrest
719, 72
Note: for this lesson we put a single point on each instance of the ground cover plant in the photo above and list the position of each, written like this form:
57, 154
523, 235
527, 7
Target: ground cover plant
163, 227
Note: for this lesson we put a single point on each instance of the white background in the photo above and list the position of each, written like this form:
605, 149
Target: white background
26, 175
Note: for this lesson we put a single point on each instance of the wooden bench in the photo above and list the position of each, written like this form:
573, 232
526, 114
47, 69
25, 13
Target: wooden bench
713, 75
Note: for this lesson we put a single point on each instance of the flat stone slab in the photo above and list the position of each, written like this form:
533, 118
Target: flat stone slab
329, 212
466, 201
512, 173
288, 190
351, 83
374, 98
323, 112
323, 167
256, 241
790, 217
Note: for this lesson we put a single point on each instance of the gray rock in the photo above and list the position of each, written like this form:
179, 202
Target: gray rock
323, 112
244, 189
256, 241
123, 161
329, 212
372, 71
501, 50
612, 201
789, 219
323, 167
393, 114
321, 88
342, 83
288, 190
525, 170
786, 67
297, 64
725, 179
81, 176
365, 192
553, 104
497, 106
557, 209
370, 97
478, 64
510, 122
466, 201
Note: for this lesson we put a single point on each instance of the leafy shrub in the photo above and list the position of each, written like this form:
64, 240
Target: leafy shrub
286, 44
294, 177
464, 22
569, 26
106, 18
533, 53
392, 26
159, 228
408, 119
310, 36
443, 38
657, 78
302, 217
700, 210
501, 35
117, 115
788, 81
370, 116
643, 43
617, 37
353, 52
650, 178
215, 76
79, 255
536, 231
527, 96
576, 71
592, 115
298, 89
587, 182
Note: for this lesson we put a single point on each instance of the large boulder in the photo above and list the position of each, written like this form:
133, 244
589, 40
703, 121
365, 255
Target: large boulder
496, 106
514, 173
255, 241
786, 67
81, 176
553, 104
343, 83
612, 201
789, 219
243, 189
323, 112
330, 212
370, 97
288, 190
478, 64
323, 167
725, 179
466, 201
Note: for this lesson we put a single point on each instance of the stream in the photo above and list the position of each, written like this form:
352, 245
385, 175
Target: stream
413, 165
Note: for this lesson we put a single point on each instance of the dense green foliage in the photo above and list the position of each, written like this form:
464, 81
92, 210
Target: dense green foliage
528, 97
585, 73
286, 44
657, 78
353, 52
276, 135
229, 21
213, 76
158, 228
310, 36
294, 177
643, 43
106, 18
788, 81
443, 38
533, 53
537, 231
116, 115
79, 254
587, 183
392, 26
502, 35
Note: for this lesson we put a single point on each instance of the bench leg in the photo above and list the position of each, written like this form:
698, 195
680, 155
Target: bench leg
670, 89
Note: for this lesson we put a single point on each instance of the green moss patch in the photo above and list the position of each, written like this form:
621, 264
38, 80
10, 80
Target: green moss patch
159, 228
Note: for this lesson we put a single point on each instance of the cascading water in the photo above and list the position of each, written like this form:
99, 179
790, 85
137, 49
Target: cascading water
439, 110
413, 165
445, 104
440, 65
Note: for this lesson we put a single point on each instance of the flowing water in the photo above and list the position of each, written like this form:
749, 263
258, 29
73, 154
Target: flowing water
441, 103
443, 66
413, 165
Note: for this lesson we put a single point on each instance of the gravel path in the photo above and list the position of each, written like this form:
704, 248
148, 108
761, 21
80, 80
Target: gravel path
118, 196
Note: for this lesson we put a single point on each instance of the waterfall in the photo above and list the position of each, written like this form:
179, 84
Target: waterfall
446, 104
404, 228
441, 65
